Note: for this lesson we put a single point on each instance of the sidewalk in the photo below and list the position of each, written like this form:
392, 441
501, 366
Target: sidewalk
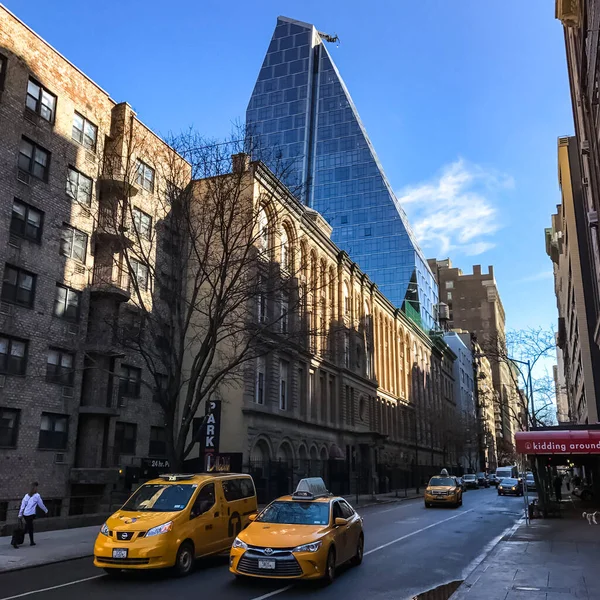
551, 559
67, 544
51, 546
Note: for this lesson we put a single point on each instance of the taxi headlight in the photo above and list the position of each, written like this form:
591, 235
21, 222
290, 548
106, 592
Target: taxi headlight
104, 530
158, 530
312, 547
237, 543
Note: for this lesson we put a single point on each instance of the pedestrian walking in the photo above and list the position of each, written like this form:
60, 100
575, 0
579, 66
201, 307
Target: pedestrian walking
558, 487
568, 481
28, 510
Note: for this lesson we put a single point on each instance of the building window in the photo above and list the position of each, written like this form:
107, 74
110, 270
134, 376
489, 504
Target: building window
145, 176
346, 299
347, 350
73, 243
139, 273
54, 431
449, 295
283, 384
262, 301
344, 220
367, 231
259, 392
130, 382
142, 223
158, 441
13, 356
285, 307
3, 68
125, 438
40, 101
263, 230
67, 302
34, 159
286, 255
311, 392
60, 367
9, 427
84, 132
79, 187
449, 285
26, 221
162, 383
18, 286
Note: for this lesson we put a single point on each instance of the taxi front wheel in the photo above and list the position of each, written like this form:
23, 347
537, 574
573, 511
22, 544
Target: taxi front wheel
330, 568
184, 562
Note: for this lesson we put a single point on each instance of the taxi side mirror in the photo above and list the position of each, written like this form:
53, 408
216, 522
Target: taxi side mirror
339, 522
252, 517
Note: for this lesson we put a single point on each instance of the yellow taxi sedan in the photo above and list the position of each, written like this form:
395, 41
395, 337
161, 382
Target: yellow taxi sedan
303, 536
443, 489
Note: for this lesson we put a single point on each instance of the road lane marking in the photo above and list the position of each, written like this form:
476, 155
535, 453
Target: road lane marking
274, 593
55, 587
395, 508
404, 537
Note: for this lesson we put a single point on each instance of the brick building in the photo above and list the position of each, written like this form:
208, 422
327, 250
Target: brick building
567, 245
73, 406
474, 305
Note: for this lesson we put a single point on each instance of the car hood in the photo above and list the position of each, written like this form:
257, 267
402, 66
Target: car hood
124, 520
275, 535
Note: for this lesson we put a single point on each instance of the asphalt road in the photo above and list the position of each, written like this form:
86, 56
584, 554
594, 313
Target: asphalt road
408, 550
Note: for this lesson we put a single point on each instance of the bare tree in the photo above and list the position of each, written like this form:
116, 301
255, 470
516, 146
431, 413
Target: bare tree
210, 281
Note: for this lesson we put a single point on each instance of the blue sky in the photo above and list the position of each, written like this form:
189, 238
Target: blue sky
463, 102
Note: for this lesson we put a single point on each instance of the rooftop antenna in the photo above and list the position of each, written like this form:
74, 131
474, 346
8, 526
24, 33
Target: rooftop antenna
333, 39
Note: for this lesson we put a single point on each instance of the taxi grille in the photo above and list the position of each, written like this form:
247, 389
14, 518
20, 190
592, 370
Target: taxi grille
122, 561
285, 566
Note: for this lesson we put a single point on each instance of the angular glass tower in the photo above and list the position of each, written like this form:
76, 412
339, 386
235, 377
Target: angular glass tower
303, 116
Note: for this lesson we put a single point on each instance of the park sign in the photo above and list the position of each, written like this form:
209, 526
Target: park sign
558, 442
209, 442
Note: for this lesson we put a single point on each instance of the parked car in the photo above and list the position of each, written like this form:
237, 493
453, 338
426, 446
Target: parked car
482, 480
471, 481
583, 492
510, 487
461, 482
530, 482
493, 479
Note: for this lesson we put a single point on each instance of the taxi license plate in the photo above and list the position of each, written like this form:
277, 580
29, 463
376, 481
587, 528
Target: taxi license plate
266, 564
119, 553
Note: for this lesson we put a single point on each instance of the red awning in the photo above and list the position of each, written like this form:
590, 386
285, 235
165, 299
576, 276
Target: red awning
558, 442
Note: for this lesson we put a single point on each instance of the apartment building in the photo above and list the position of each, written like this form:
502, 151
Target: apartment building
568, 246
74, 405
357, 395
474, 305
581, 22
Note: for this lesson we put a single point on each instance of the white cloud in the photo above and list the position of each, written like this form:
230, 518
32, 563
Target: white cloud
541, 276
454, 212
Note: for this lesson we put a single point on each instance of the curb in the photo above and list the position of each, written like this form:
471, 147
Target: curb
43, 564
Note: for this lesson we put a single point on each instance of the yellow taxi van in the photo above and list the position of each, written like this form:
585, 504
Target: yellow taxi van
303, 536
172, 520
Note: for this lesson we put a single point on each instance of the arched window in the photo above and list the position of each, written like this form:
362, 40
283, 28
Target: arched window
286, 251
346, 294
263, 230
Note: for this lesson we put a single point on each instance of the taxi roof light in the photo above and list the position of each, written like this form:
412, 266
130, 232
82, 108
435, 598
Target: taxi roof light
176, 476
311, 488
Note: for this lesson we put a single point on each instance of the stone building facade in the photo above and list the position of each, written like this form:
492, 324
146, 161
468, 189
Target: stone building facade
359, 392
74, 407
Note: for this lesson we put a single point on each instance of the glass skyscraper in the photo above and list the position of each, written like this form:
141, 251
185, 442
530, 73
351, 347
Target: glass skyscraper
302, 114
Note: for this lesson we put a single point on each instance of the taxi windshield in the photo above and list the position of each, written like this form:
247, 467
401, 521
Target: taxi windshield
160, 497
442, 481
296, 513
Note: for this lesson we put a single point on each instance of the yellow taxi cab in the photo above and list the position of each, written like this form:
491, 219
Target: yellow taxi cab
443, 489
303, 536
172, 520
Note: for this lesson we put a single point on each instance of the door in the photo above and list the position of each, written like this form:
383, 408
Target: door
354, 528
341, 534
205, 521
